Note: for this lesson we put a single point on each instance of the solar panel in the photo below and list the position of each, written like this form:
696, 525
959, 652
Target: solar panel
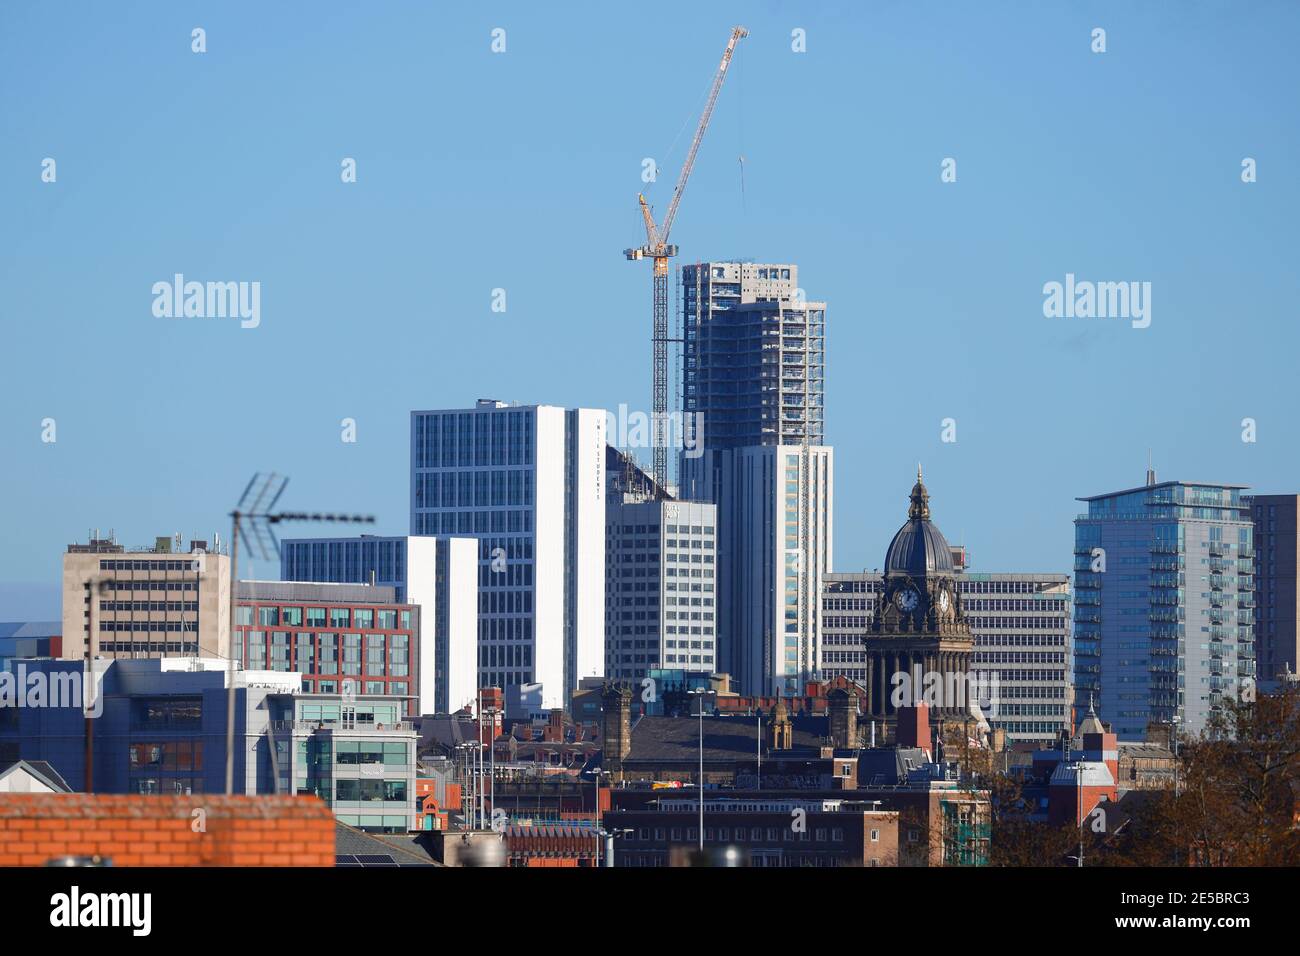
375, 859
345, 859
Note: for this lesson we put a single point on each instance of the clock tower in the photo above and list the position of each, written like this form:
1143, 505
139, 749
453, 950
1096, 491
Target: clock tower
919, 630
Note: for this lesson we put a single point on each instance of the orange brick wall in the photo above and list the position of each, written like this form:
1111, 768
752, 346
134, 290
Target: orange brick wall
161, 830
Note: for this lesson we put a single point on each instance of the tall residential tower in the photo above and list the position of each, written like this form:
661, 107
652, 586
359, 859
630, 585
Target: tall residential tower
754, 370
754, 355
1164, 603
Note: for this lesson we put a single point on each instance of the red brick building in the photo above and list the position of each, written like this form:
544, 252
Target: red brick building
550, 845
139, 830
341, 637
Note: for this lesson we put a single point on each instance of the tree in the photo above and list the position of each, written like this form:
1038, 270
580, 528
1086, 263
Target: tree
1015, 837
1237, 796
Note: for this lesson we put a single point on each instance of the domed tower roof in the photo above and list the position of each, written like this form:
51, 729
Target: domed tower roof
919, 548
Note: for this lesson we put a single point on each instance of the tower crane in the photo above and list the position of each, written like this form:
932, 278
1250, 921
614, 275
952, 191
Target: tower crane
658, 249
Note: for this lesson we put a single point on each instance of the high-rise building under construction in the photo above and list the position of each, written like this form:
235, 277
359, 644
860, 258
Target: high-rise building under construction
753, 355
753, 387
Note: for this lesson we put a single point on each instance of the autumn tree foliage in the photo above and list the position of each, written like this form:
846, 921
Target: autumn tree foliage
1236, 798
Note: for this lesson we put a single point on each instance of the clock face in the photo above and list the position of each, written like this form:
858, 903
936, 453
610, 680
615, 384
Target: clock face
905, 599
943, 600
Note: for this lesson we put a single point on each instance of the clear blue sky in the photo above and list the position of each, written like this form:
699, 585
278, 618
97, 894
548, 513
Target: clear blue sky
521, 171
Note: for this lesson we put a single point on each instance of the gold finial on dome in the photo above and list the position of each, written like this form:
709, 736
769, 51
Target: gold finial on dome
920, 507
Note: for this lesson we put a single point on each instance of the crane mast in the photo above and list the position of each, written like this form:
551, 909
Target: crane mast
658, 249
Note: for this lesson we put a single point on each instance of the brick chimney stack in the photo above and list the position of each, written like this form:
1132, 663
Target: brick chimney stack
616, 725
842, 709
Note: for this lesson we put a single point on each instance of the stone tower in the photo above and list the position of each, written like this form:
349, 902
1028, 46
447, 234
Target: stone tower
920, 641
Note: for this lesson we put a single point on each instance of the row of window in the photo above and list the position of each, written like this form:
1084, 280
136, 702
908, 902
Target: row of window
367, 791
361, 618
188, 564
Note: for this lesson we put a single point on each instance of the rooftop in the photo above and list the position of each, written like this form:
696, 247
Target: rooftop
725, 738
353, 847
1166, 484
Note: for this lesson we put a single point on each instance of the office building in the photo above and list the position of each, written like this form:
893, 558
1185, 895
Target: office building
528, 483
163, 601
30, 639
661, 586
348, 639
1164, 597
774, 546
755, 830
162, 730
1277, 588
1020, 625
439, 574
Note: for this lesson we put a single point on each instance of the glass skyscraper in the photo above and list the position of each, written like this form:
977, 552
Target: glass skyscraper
1164, 604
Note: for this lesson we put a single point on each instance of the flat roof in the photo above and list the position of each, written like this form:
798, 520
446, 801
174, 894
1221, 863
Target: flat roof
1166, 484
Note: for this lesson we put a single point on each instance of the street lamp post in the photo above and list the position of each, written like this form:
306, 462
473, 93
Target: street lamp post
492, 759
478, 768
1082, 817
610, 835
596, 774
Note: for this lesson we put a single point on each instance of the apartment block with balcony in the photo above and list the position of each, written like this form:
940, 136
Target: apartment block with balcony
754, 355
1164, 611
